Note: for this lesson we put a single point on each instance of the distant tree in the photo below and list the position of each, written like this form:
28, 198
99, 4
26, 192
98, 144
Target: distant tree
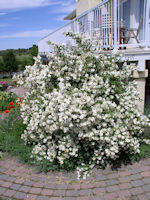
10, 62
2, 68
34, 50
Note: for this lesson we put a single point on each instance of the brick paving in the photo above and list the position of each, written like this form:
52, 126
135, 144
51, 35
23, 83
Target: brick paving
19, 91
18, 181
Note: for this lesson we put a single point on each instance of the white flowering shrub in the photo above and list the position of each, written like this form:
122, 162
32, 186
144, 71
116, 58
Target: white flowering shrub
81, 107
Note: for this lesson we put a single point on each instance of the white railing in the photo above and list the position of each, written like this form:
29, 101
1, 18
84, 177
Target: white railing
104, 24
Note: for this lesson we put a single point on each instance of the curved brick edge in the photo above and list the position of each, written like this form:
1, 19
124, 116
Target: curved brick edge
17, 181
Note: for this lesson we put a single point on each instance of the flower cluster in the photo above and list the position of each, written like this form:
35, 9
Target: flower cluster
13, 105
82, 104
4, 86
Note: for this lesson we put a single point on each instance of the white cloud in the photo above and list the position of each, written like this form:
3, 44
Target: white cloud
2, 13
27, 34
65, 7
20, 4
61, 18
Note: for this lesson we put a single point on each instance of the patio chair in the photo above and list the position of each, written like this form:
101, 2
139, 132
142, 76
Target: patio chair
133, 32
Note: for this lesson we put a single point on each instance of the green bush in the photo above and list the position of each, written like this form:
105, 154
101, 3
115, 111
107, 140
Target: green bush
3, 86
24, 60
10, 62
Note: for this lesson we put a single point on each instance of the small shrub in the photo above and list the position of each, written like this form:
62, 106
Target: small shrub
80, 110
5, 98
11, 128
8, 81
3, 85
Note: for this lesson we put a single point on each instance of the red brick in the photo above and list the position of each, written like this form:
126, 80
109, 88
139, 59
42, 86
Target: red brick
99, 184
125, 185
145, 174
124, 179
1, 183
99, 190
86, 186
125, 173
110, 196
111, 176
86, 192
136, 191
145, 168
74, 186
30, 197
35, 190
10, 193
9, 172
47, 192
7, 184
97, 197
83, 198
61, 186
19, 181
124, 193
142, 197
112, 188
146, 180
38, 184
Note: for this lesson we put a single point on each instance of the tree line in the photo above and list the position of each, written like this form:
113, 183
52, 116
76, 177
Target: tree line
12, 60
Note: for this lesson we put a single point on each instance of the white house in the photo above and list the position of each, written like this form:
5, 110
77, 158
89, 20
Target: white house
118, 26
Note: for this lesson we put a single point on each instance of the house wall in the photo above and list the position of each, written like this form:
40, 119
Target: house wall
84, 5
140, 78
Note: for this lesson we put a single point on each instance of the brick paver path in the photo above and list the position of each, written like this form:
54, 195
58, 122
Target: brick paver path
18, 181
19, 91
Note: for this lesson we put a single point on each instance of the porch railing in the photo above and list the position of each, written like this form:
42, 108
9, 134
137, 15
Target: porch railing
103, 24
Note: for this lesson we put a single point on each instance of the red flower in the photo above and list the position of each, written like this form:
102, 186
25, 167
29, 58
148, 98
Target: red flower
10, 107
11, 103
6, 111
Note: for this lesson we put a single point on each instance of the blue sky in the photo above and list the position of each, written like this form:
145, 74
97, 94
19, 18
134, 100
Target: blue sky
24, 22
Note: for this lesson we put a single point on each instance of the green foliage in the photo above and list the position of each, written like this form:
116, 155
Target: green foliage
9, 81
144, 153
24, 60
5, 98
10, 62
10, 140
2, 68
1, 156
144, 148
17, 59
3, 87
34, 50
